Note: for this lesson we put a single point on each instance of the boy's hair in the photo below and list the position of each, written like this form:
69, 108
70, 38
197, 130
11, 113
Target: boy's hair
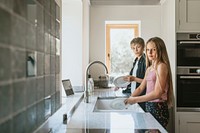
138, 40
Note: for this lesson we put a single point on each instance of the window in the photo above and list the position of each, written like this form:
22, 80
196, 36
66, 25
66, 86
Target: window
119, 56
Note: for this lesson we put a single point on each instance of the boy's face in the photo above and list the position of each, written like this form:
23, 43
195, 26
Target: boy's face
137, 49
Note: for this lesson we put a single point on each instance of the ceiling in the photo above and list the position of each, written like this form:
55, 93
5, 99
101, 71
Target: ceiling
125, 2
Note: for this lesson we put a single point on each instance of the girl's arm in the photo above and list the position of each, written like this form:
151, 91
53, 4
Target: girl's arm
161, 80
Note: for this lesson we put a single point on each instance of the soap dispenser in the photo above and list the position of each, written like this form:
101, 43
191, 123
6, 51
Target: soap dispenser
90, 85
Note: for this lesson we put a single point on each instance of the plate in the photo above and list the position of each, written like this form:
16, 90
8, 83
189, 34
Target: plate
120, 82
118, 104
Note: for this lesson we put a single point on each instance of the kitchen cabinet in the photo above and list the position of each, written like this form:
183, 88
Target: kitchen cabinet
189, 122
188, 19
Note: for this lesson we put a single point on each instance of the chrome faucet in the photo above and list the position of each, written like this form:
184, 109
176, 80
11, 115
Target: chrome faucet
87, 76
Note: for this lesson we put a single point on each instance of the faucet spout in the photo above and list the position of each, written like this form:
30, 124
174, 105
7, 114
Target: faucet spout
87, 76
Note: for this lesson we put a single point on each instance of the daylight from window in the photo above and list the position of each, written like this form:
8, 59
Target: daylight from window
121, 56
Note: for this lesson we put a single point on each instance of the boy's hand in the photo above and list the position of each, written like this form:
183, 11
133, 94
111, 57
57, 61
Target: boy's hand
129, 78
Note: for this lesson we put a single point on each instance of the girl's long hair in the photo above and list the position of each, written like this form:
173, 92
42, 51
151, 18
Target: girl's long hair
162, 57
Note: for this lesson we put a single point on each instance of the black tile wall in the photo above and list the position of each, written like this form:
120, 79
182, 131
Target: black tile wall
40, 113
18, 31
47, 23
47, 64
20, 7
5, 26
57, 46
57, 12
6, 127
53, 102
57, 32
40, 39
53, 84
58, 82
40, 64
40, 17
47, 43
40, 1
57, 64
53, 45
31, 37
47, 85
53, 64
6, 3
40, 88
31, 119
5, 101
19, 122
18, 60
28, 26
57, 101
31, 91
53, 8
31, 11
47, 4
47, 106
19, 96
5, 67
53, 26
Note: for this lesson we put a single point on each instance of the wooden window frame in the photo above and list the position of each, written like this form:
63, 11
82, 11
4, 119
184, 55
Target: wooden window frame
135, 27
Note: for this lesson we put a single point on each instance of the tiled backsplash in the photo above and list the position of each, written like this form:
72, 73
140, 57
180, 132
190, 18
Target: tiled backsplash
28, 26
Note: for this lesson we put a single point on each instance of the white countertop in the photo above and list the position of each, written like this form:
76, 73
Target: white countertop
55, 122
84, 118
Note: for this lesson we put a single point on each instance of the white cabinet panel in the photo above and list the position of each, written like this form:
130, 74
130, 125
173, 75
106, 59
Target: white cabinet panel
189, 123
189, 15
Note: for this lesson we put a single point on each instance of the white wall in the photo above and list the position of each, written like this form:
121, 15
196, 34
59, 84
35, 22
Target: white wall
72, 41
168, 35
168, 32
150, 17
86, 26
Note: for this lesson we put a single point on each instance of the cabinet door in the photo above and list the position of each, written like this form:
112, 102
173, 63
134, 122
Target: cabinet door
189, 123
189, 19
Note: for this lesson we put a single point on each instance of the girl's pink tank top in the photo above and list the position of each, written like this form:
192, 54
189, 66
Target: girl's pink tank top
151, 80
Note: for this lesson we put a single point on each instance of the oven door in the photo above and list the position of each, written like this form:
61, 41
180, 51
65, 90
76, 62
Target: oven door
188, 93
188, 53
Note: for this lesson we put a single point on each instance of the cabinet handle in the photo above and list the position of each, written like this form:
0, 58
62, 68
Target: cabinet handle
189, 77
189, 42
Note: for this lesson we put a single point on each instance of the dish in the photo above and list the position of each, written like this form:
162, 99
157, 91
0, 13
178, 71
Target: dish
120, 82
118, 104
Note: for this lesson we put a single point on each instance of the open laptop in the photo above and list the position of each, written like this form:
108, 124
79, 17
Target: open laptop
69, 89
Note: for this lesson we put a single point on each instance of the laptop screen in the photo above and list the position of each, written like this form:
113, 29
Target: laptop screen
68, 87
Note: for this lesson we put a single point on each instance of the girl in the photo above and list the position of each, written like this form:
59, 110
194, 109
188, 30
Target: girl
158, 82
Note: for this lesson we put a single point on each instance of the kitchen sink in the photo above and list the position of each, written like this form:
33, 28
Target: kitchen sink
116, 130
114, 104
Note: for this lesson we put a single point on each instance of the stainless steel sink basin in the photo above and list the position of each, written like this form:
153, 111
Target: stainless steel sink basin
106, 105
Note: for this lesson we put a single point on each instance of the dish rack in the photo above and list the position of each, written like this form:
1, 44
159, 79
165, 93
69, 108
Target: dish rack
101, 83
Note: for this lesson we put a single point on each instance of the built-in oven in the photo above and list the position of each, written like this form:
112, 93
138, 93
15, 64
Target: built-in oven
188, 89
188, 50
188, 72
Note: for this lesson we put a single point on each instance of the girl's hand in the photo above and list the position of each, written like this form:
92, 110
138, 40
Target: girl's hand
130, 100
